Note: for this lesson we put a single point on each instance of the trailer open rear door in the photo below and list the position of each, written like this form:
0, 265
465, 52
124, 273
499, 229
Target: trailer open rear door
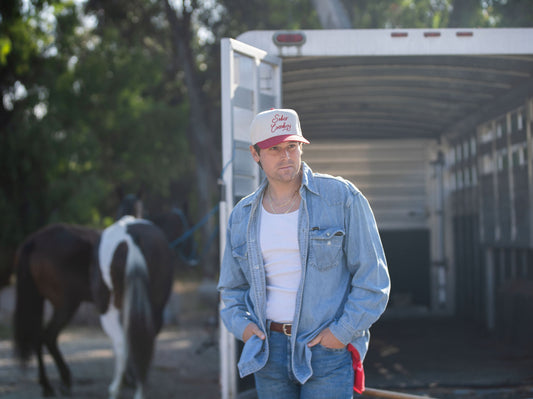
251, 82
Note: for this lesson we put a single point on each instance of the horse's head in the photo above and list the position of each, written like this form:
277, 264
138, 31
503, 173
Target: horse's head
176, 227
130, 204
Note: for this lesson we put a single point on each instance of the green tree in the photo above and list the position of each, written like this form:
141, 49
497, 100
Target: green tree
127, 104
513, 13
84, 111
369, 14
26, 148
398, 14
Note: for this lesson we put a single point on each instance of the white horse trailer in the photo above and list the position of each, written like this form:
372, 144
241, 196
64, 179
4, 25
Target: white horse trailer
434, 127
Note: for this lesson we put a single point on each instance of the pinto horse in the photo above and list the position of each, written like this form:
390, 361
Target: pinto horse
131, 281
53, 264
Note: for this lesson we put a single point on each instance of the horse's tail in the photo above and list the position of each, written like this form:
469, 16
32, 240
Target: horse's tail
138, 313
28, 316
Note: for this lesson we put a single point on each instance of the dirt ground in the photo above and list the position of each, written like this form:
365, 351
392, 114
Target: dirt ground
432, 357
185, 364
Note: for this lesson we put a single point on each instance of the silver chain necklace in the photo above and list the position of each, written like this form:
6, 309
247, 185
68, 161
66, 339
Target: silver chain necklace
291, 199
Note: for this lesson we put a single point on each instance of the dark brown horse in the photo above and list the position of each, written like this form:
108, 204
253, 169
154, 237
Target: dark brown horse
53, 264
177, 229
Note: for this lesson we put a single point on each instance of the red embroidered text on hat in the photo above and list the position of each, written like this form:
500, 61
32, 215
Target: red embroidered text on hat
275, 126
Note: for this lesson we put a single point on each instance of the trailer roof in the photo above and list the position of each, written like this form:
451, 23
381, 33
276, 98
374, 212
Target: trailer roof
415, 83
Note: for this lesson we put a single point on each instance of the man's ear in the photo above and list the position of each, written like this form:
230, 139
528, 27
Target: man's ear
254, 153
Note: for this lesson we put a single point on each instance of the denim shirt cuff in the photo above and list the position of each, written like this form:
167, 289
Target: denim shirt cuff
343, 334
240, 326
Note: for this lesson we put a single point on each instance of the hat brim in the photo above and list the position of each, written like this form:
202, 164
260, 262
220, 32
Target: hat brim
272, 141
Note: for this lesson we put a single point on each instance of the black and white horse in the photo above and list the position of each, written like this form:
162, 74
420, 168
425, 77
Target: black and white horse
131, 281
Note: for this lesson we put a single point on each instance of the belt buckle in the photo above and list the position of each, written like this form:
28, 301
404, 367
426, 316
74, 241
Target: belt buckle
285, 328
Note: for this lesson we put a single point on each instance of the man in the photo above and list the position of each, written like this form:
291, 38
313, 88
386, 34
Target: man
303, 275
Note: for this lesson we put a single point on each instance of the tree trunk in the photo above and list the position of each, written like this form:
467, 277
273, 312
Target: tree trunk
463, 12
332, 14
201, 139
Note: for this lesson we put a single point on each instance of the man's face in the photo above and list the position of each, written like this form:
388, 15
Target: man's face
281, 162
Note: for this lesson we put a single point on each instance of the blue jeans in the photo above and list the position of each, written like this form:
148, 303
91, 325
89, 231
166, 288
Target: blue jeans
332, 373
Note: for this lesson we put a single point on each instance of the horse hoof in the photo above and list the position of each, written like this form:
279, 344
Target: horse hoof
65, 390
128, 379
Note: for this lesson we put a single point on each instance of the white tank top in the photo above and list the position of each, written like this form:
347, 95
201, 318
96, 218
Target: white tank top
283, 268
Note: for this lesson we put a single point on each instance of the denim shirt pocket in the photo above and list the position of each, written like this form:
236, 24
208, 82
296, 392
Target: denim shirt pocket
325, 247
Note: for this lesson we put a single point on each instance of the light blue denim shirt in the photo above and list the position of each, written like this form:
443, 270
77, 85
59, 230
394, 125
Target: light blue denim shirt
345, 281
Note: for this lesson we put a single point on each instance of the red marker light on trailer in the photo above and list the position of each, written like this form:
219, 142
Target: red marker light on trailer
399, 34
289, 38
464, 34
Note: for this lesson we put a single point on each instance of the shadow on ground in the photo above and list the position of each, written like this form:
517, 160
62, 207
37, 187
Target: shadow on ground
446, 357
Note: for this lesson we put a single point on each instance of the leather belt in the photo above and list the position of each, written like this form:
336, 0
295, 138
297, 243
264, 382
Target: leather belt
284, 328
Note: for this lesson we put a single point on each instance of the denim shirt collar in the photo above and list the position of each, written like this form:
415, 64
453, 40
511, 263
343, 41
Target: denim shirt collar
307, 181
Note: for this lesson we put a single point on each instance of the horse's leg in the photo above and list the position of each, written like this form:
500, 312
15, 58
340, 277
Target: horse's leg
47, 389
129, 375
60, 318
111, 324
139, 392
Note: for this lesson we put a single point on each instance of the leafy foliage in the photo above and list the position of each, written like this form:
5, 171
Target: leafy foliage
513, 13
367, 14
83, 113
